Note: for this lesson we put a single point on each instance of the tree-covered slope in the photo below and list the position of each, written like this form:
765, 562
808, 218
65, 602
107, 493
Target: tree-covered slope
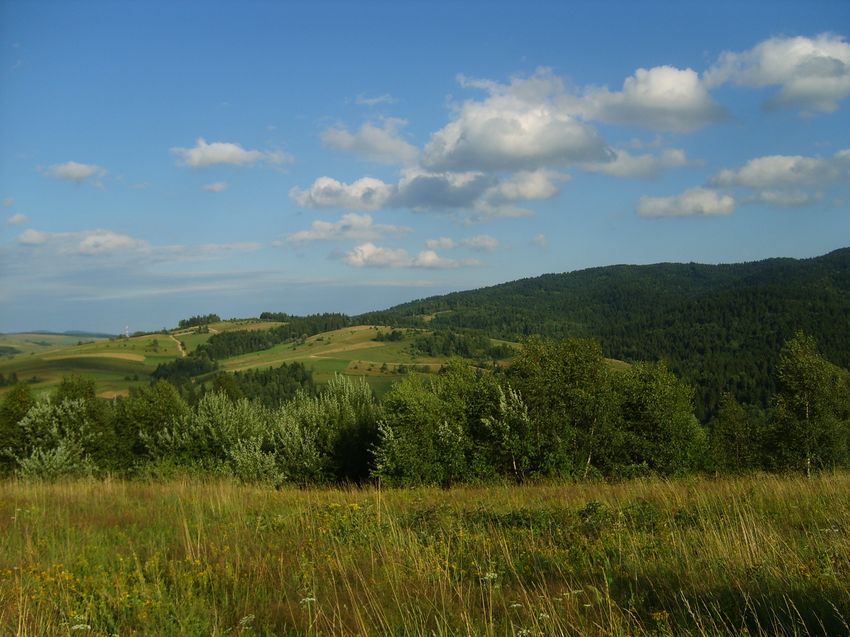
719, 326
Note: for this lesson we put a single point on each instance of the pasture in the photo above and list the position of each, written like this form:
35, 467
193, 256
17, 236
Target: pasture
762, 555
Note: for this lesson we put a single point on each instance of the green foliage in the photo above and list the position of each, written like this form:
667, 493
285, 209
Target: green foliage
16, 403
810, 427
658, 428
737, 437
433, 428
453, 343
274, 386
59, 440
201, 320
719, 327
143, 414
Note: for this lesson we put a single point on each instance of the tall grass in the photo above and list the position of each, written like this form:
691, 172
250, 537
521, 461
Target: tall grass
761, 556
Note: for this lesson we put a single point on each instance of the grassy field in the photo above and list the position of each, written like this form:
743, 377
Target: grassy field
758, 556
118, 364
114, 364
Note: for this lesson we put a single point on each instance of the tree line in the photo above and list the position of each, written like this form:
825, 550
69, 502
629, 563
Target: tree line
560, 411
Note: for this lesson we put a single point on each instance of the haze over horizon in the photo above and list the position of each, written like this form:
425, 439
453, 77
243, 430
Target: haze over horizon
160, 160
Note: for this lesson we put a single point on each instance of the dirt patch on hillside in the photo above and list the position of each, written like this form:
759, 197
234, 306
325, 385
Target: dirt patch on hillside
114, 393
126, 356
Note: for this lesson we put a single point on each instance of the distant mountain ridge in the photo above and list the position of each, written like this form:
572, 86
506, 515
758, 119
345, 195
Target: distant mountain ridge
719, 326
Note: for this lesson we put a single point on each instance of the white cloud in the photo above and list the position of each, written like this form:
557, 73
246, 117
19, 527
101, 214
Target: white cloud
106, 241
775, 171
204, 154
696, 201
370, 255
216, 186
16, 219
75, 171
646, 166
527, 185
351, 226
812, 73
483, 242
367, 193
518, 126
380, 144
363, 100
32, 237
8, 202
663, 98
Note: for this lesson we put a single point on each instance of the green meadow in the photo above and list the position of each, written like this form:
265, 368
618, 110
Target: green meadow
118, 364
762, 555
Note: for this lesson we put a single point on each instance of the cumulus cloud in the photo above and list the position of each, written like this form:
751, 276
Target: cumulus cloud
371, 255
367, 193
775, 171
351, 226
381, 144
518, 126
32, 237
696, 201
75, 171
216, 186
646, 166
8, 202
663, 98
205, 154
811, 73
16, 219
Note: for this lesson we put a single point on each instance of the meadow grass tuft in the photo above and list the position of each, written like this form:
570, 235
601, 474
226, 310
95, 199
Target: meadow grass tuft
760, 555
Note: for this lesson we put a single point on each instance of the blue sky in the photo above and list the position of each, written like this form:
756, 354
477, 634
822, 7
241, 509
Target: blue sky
163, 159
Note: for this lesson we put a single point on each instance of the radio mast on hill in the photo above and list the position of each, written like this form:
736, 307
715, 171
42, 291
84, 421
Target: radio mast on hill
126, 331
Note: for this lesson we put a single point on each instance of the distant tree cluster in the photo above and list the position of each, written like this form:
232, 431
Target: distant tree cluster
196, 321
237, 342
559, 411
466, 345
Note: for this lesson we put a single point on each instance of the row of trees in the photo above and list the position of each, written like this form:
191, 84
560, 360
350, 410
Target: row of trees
560, 410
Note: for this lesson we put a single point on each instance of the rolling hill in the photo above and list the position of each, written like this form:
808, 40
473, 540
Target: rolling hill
719, 326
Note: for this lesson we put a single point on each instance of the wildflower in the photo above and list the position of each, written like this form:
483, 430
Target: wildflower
489, 576
516, 605
247, 620
80, 627
308, 600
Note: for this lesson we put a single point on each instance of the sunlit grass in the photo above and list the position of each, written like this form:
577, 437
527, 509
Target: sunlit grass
764, 555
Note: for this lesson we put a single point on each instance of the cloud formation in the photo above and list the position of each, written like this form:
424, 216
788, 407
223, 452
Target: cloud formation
366, 193
75, 171
8, 202
351, 226
773, 171
663, 98
646, 166
693, 202
381, 144
373, 256
205, 154
812, 74
518, 126
364, 100
16, 219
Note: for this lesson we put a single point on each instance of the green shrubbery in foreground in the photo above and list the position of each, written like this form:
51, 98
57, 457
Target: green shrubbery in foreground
561, 411
762, 555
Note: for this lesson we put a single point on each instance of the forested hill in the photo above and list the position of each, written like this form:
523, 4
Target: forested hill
719, 326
